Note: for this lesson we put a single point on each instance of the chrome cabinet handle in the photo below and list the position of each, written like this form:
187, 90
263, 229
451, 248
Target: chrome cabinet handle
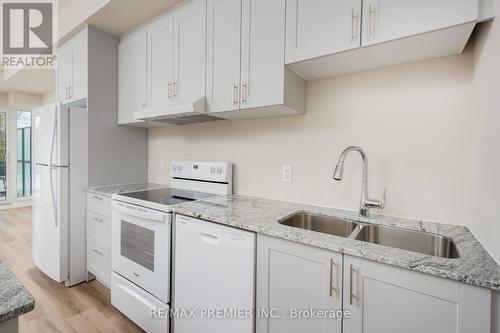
66, 96
333, 289
354, 24
175, 88
97, 252
98, 197
371, 20
351, 292
70, 91
244, 92
169, 89
235, 93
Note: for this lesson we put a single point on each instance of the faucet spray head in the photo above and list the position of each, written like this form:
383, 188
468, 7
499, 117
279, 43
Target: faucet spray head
339, 171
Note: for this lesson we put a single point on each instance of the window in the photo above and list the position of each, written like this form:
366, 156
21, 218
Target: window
23, 152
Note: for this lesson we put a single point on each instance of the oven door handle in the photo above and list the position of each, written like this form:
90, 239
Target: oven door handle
139, 212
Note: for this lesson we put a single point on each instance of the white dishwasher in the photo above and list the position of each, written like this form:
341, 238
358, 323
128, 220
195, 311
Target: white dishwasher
214, 276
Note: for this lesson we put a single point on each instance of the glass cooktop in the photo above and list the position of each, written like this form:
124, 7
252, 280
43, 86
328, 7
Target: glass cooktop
167, 196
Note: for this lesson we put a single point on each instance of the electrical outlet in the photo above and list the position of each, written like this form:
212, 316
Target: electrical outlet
286, 173
162, 167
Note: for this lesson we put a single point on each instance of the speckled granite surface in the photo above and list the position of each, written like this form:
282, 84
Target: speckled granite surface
475, 266
15, 300
115, 189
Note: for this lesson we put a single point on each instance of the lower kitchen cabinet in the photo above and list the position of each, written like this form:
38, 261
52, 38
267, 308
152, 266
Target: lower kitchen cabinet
292, 277
375, 297
99, 237
387, 299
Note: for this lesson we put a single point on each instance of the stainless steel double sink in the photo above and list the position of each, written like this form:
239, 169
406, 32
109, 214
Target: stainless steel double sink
416, 241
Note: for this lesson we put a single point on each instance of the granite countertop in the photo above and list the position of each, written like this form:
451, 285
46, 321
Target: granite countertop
15, 300
124, 188
475, 265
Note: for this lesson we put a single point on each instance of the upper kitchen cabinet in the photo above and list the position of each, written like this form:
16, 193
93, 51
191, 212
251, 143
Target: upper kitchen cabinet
72, 72
223, 55
160, 62
162, 67
246, 74
132, 62
319, 27
189, 50
386, 20
392, 32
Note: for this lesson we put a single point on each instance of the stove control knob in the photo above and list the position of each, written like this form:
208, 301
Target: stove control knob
212, 170
179, 167
219, 170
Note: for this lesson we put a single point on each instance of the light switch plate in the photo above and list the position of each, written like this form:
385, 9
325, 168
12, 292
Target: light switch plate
286, 173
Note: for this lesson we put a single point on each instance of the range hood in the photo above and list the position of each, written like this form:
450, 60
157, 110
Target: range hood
182, 114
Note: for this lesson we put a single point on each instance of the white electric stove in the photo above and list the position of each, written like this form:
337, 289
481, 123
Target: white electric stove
141, 239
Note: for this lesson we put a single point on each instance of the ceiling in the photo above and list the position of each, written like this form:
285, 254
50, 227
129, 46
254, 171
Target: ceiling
120, 16
35, 81
115, 17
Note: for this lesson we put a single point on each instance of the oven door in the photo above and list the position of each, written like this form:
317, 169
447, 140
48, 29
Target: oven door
141, 247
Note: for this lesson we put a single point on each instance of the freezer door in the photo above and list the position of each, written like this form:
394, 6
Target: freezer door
50, 221
51, 135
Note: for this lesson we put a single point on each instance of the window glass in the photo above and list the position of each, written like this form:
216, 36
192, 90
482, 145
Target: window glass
23, 152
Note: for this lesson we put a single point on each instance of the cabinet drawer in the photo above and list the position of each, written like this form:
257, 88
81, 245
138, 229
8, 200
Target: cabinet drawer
99, 263
137, 305
99, 204
99, 226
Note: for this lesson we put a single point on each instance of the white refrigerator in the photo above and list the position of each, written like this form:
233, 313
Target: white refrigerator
59, 181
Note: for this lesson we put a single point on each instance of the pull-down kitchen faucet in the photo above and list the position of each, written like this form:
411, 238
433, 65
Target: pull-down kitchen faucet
366, 203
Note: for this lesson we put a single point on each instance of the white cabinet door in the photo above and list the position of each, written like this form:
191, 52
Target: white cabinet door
319, 27
223, 54
262, 58
385, 20
189, 51
292, 276
78, 86
64, 73
160, 61
132, 59
387, 299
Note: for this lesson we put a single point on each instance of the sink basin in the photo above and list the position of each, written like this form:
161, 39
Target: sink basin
416, 241
320, 223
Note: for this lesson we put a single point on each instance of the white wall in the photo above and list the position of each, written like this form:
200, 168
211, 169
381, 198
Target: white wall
431, 130
49, 97
413, 120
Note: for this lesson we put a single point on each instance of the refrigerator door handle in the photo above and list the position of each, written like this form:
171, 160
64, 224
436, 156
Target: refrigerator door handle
53, 194
53, 140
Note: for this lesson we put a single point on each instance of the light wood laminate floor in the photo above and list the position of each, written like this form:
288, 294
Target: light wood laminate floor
84, 308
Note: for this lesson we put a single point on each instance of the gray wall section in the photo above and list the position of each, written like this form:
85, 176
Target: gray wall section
117, 154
